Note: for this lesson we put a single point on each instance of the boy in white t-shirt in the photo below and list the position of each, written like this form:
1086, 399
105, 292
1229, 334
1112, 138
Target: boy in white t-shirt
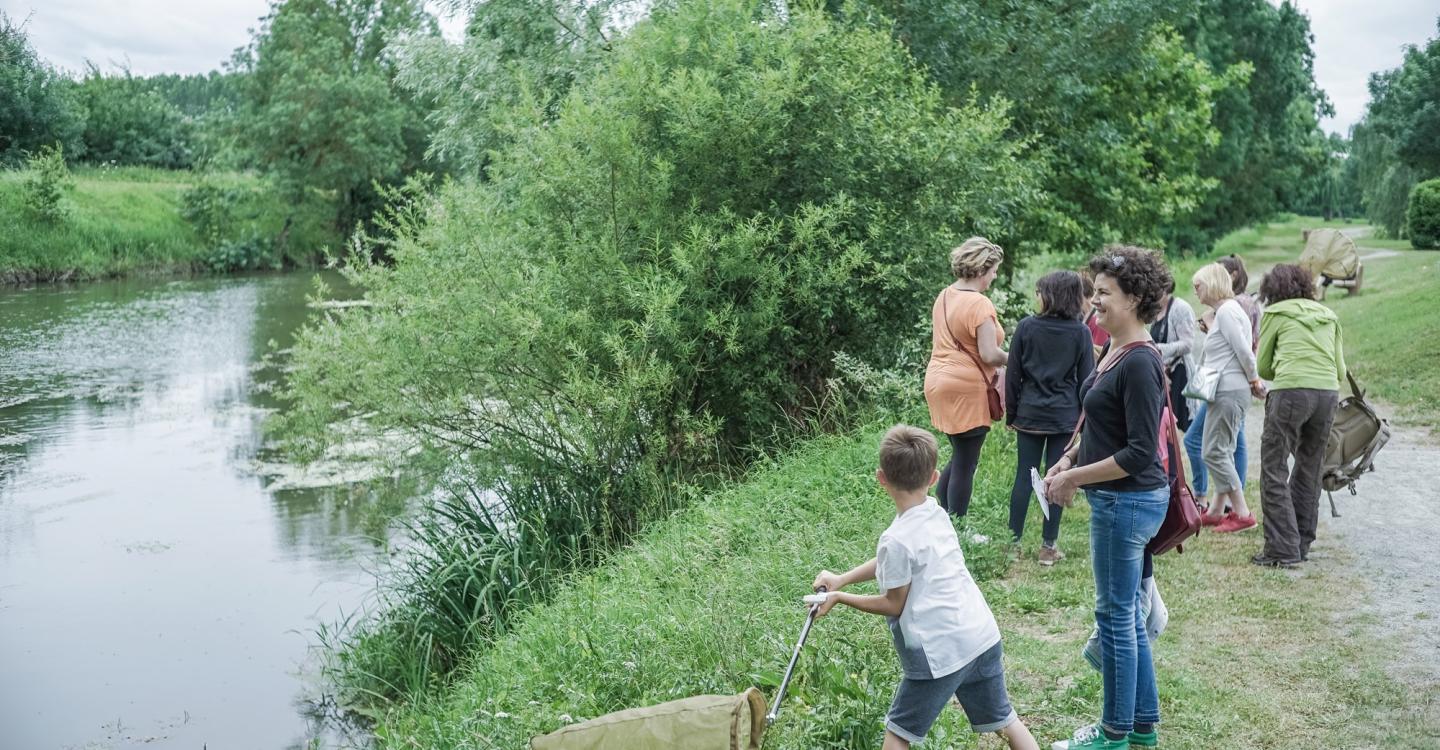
944, 633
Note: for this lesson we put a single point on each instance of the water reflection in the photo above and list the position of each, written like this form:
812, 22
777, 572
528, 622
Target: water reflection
152, 591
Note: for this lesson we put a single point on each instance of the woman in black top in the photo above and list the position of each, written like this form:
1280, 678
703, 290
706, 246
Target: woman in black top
1050, 356
1118, 465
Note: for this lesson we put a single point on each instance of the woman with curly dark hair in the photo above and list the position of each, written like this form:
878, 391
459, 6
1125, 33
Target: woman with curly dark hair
1301, 353
1117, 463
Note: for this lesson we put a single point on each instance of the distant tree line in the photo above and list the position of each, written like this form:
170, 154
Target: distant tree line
105, 118
1396, 145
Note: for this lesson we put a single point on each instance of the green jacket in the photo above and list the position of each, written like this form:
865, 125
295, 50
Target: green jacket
1300, 346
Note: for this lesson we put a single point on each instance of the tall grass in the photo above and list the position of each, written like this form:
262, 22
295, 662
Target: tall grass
128, 220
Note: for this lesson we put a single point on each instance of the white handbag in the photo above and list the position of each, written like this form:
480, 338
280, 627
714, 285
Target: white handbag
1202, 384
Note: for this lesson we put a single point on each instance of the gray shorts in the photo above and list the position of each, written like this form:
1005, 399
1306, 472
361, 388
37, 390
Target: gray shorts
979, 686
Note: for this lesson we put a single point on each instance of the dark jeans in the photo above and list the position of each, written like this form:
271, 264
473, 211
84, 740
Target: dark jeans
957, 481
1029, 448
1297, 423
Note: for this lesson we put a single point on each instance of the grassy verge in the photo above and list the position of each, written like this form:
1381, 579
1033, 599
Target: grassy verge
707, 602
124, 221
1389, 340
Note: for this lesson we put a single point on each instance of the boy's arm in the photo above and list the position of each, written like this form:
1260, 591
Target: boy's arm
859, 574
890, 604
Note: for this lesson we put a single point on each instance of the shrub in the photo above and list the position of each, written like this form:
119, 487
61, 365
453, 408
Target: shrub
646, 290
46, 184
210, 208
1423, 215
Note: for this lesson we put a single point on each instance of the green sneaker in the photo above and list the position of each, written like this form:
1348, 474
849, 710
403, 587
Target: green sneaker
1089, 737
1145, 739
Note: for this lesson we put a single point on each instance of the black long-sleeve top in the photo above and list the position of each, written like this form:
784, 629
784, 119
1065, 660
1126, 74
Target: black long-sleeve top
1049, 360
1122, 419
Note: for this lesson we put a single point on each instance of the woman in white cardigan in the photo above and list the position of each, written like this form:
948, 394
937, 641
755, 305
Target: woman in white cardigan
1229, 356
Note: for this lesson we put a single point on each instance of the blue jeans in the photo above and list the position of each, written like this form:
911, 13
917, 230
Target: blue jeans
1194, 452
1121, 524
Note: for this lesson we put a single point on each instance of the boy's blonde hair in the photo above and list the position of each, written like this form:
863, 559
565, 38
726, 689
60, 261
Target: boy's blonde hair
907, 456
974, 257
1216, 280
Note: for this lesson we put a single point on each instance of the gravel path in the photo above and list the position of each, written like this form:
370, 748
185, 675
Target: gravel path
1388, 533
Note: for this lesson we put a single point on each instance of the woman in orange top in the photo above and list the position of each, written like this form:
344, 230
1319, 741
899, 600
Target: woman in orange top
965, 351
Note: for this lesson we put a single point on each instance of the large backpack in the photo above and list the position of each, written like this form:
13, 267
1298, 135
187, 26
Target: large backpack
1356, 435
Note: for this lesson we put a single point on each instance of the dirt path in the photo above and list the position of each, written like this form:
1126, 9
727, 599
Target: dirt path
1388, 533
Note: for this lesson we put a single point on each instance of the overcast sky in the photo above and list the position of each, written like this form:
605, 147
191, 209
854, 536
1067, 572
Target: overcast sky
1353, 38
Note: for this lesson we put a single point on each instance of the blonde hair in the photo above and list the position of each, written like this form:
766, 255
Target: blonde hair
974, 257
908, 456
1216, 280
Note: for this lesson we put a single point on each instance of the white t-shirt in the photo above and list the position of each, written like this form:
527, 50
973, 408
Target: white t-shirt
946, 622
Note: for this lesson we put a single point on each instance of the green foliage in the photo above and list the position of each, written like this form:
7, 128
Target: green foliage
1120, 109
654, 282
1423, 217
209, 205
1271, 151
707, 602
518, 60
46, 182
37, 108
319, 109
128, 123
128, 219
1398, 141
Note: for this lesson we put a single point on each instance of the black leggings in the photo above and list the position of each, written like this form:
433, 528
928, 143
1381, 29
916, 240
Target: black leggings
957, 481
1030, 447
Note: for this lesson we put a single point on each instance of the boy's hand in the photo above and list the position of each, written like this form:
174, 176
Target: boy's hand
830, 599
828, 581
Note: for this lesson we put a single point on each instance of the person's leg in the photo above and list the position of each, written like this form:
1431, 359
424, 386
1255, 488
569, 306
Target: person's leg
1028, 448
1054, 448
916, 705
1194, 442
985, 701
1277, 442
894, 742
1242, 455
1222, 422
1017, 736
964, 460
942, 485
1309, 459
1121, 524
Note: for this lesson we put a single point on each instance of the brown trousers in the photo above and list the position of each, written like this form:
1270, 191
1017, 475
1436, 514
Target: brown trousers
1297, 423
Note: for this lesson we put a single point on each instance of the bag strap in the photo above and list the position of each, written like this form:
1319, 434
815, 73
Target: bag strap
945, 311
1110, 364
1354, 386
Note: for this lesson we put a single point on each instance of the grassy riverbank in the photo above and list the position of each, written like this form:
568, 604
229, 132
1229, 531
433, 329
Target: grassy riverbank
708, 602
126, 221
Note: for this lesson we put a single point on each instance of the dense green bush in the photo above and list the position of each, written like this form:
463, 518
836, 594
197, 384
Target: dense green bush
37, 106
1423, 217
46, 182
128, 123
647, 286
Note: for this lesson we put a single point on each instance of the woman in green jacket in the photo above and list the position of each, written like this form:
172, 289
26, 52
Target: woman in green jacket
1301, 353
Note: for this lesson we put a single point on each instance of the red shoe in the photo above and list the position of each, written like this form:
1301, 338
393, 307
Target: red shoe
1233, 523
1208, 520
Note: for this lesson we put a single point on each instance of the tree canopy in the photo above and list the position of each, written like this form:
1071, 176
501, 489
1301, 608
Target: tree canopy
318, 104
1397, 142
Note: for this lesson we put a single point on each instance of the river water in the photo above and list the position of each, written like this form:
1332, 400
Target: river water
156, 589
